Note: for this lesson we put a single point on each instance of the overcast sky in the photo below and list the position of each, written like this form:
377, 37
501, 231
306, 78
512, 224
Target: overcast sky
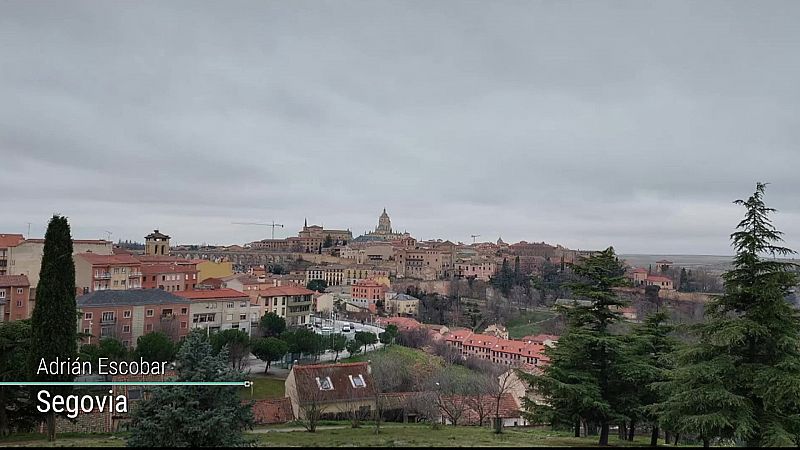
632, 124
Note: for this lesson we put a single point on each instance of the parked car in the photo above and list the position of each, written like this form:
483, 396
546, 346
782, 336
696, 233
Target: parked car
346, 328
326, 329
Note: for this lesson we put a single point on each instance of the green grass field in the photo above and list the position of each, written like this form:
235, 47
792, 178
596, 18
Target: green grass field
395, 435
263, 387
392, 435
525, 323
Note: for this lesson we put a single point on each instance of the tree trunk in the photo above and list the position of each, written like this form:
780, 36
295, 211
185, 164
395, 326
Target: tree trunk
51, 426
705, 443
577, 428
603, 434
621, 431
667, 437
677, 438
632, 431
654, 437
266, 368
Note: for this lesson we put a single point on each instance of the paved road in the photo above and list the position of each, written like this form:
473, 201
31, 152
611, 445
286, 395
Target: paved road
255, 365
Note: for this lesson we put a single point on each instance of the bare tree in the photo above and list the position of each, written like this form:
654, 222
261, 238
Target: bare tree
450, 354
479, 397
508, 382
450, 388
416, 338
388, 374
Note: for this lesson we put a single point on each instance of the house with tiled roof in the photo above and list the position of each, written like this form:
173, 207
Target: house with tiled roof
95, 272
330, 390
293, 303
498, 350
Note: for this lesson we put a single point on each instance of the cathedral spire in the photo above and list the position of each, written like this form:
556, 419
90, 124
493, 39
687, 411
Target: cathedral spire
305, 222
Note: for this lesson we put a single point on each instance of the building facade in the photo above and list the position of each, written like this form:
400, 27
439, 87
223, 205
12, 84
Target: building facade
293, 303
368, 294
100, 272
156, 243
7, 241
221, 309
127, 315
15, 292
25, 258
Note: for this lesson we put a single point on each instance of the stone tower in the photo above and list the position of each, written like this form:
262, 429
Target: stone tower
156, 243
384, 224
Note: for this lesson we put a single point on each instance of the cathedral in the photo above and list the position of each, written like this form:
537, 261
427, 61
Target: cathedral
383, 232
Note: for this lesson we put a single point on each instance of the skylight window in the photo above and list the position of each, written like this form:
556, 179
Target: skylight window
358, 382
325, 384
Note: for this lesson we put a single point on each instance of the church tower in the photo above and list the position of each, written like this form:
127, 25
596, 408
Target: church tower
384, 224
156, 243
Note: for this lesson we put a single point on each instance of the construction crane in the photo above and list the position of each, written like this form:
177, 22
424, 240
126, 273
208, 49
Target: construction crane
273, 225
473, 236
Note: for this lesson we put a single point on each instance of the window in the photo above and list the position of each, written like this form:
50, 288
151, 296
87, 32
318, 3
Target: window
184, 311
134, 393
107, 317
241, 305
229, 305
86, 331
150, 313
19, 303
2, 293
126, 344
242, 316
184, 324
19, 291
126, 314
126, 328
116, 282
149, 327
87, 316
229, 317
325, 384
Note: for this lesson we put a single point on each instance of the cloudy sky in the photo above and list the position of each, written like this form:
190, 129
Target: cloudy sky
633, 124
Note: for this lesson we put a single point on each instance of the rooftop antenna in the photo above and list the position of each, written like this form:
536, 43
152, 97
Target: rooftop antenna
29, 231
473, 236
108, 237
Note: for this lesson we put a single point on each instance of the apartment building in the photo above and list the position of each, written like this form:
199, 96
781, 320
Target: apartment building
426, 261
100, 272
127, 315
520, 354
368, 294
332, 274
25, 258
7, 241
173, 276
221, 309
480, 270
401, 304
293, 303
15, 300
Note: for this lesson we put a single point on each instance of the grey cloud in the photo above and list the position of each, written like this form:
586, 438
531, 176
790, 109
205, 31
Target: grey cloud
633, 124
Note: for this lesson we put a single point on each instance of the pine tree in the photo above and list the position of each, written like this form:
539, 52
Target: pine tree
194, 416
582, 381
741, 379
54, 319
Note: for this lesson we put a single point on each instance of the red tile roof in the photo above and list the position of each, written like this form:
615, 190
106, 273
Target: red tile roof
212, 294
307, 388
658, 279
14, 281
101, 260
152, 269
74, 241
10, 240
509, 407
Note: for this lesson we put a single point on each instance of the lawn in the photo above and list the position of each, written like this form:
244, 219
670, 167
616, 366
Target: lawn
263, 387
409, 355
65, 440
525, 323
396, 435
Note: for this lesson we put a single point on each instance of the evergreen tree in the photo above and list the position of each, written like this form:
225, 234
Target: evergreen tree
583, 379
194, 416
328, 242
338, 344
155, 347
53, 323
17, 409
269, 349
683, 284
741, 378
272, 325
649, 350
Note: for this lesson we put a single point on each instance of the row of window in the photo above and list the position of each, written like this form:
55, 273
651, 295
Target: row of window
110, 315
3, 292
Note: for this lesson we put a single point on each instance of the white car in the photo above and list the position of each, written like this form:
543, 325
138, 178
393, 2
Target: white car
326, 329
345, 328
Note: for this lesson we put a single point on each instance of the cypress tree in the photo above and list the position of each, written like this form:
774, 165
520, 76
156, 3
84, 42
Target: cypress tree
741, 379
54, 319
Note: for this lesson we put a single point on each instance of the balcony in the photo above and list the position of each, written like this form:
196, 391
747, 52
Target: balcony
102, 276
168, 316
134, 274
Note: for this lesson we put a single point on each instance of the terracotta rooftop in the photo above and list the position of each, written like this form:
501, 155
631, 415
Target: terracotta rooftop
340, 375
121, 259
212, 294
10, 240
14, 281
